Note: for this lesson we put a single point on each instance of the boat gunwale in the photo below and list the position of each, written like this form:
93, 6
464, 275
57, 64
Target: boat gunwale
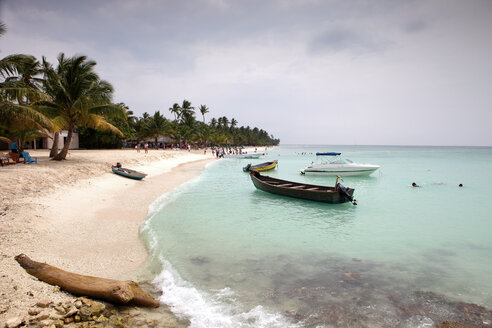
319, 188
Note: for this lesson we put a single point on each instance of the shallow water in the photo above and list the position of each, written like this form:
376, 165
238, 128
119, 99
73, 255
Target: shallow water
234, 256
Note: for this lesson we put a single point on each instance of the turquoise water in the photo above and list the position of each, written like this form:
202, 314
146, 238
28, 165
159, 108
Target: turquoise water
235, 256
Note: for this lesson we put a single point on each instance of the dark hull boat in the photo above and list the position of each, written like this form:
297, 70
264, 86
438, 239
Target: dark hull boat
261, 167
127, 172
334, 195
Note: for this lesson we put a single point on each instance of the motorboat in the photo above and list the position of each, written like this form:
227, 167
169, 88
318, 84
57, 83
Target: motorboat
261, 167
244, 156
338, 166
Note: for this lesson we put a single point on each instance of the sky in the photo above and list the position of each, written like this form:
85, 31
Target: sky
359, 72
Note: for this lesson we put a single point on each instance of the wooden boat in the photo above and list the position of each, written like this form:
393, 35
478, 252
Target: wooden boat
261, 167
337, 194
132, 174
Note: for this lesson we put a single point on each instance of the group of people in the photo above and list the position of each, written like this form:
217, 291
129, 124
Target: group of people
417, 186
160, 145
145, 146
219, 152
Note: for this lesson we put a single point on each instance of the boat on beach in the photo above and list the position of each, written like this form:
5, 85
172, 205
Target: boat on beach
338, 166
261, 167
334, 195
132, 174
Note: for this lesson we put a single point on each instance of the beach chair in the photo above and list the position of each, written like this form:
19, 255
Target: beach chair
15, 157
28, 159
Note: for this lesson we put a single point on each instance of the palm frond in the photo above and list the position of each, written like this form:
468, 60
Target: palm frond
14, 112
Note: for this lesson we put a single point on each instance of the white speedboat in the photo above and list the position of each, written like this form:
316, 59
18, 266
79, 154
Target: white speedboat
244, 155
339, 166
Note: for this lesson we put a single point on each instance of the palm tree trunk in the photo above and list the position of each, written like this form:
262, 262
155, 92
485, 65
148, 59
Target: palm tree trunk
63, 153
54, 148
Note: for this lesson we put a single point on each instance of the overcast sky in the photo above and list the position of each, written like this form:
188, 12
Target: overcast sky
390, 72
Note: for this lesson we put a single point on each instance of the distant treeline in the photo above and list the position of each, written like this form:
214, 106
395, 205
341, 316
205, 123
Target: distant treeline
185, 128
38, 99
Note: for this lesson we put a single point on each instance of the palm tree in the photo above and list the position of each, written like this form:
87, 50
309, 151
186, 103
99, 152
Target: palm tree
3, 28
78, 96
187, 111
18, 89
156, 126
176, 110
233, 123
224, 122
204, 110
213, 122
21, 84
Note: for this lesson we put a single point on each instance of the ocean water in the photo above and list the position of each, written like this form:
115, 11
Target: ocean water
230, 255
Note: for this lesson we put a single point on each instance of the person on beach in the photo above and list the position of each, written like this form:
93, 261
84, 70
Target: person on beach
146, 146
13, 147
415, 185
137, 147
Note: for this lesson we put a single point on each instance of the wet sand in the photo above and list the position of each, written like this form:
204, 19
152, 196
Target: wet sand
79, 216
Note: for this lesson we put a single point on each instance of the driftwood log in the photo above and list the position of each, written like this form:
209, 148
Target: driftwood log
113, 291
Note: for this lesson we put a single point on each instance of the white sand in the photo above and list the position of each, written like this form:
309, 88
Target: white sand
79, 216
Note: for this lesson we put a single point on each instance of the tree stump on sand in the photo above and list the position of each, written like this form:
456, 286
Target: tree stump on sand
113, 291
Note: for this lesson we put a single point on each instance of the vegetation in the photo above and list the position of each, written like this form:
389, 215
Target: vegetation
40, 100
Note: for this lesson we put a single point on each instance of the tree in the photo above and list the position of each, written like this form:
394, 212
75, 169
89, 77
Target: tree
187, 111
78, 96
176, 110
18, 89
223, 122
156, 126
3, 28
213, 122
21, 83
204, 110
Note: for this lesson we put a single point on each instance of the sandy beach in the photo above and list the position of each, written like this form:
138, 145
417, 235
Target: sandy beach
79, 216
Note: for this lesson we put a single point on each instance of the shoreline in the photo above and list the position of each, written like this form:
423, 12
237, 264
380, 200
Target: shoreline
86, 225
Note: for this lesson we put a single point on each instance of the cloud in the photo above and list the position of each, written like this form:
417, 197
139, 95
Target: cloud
290, 67
337, 39
415, 26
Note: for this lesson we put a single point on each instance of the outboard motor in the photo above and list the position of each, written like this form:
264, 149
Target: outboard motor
247, 168
342, 190
118, 165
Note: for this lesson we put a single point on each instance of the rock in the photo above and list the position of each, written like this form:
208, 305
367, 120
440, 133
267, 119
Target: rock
43, 303
60, 310
78, 304
77, 318
84, 314
58, 323
97, 308
40, 317
13, 322
68, 320
71, 311
447, 324
84, 300
4, 309
101, 318
352, 275
33, 311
